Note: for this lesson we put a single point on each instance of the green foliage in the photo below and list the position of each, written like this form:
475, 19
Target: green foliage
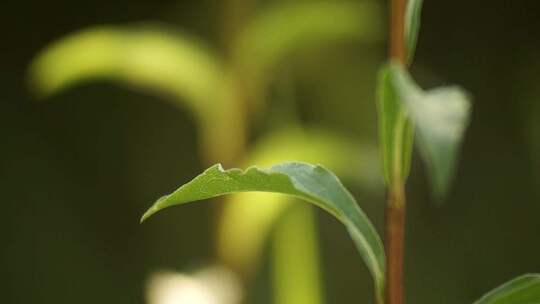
151, 57
412, 26
522, 290
244, 225
395, 130
148, 55
311, 183
441, 116
280, 31
218, 90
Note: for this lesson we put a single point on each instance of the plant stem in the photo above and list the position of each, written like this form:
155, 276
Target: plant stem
395, 244
397, 30
395, 212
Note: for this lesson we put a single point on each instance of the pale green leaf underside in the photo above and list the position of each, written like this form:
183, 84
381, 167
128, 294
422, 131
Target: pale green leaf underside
396, 132
441, 116
522, 290
412, 26
312, 183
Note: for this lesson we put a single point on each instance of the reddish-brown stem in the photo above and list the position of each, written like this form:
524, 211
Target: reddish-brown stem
395, 212
397, 30
395, 244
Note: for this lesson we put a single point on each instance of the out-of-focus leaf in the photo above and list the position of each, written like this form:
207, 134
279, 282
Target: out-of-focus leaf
396, 132
247, 218
147, 56
280, 31
154, 58
312, 183
522, 290
441, 116
295, 258
412, 26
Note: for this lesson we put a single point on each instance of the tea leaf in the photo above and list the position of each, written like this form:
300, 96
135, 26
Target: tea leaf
312, 183
412, 26
395, 130
522, 290
441, 116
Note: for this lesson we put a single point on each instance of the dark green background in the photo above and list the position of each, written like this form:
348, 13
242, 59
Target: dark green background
77, 171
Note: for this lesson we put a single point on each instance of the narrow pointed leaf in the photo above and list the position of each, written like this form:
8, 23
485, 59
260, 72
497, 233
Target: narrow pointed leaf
312, 183
441, 116
412, 26
154, 58
522, 290
395, 130
244, 226
148, 56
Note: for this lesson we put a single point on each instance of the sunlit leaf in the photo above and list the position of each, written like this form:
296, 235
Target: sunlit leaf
395, 130
441, 116
153, 58
312, 183
412, 26
522, 290
147, 56
244, 225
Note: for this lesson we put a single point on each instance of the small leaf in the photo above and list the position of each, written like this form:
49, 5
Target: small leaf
314, 184
441, 116
412, 26
395, 130
522, 290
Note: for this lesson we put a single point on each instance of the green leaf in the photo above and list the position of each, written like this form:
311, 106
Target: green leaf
279, 32
395, 130
314, 184
154, 58
147, 56
244, 226
522, 290
412, 26
441, 116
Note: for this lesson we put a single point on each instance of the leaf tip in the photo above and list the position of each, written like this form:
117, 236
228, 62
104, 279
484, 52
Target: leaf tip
152, 210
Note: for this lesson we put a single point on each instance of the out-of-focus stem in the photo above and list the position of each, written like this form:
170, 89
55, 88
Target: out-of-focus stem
295, 257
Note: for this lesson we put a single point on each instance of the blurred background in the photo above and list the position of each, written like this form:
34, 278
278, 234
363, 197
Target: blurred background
107, 105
